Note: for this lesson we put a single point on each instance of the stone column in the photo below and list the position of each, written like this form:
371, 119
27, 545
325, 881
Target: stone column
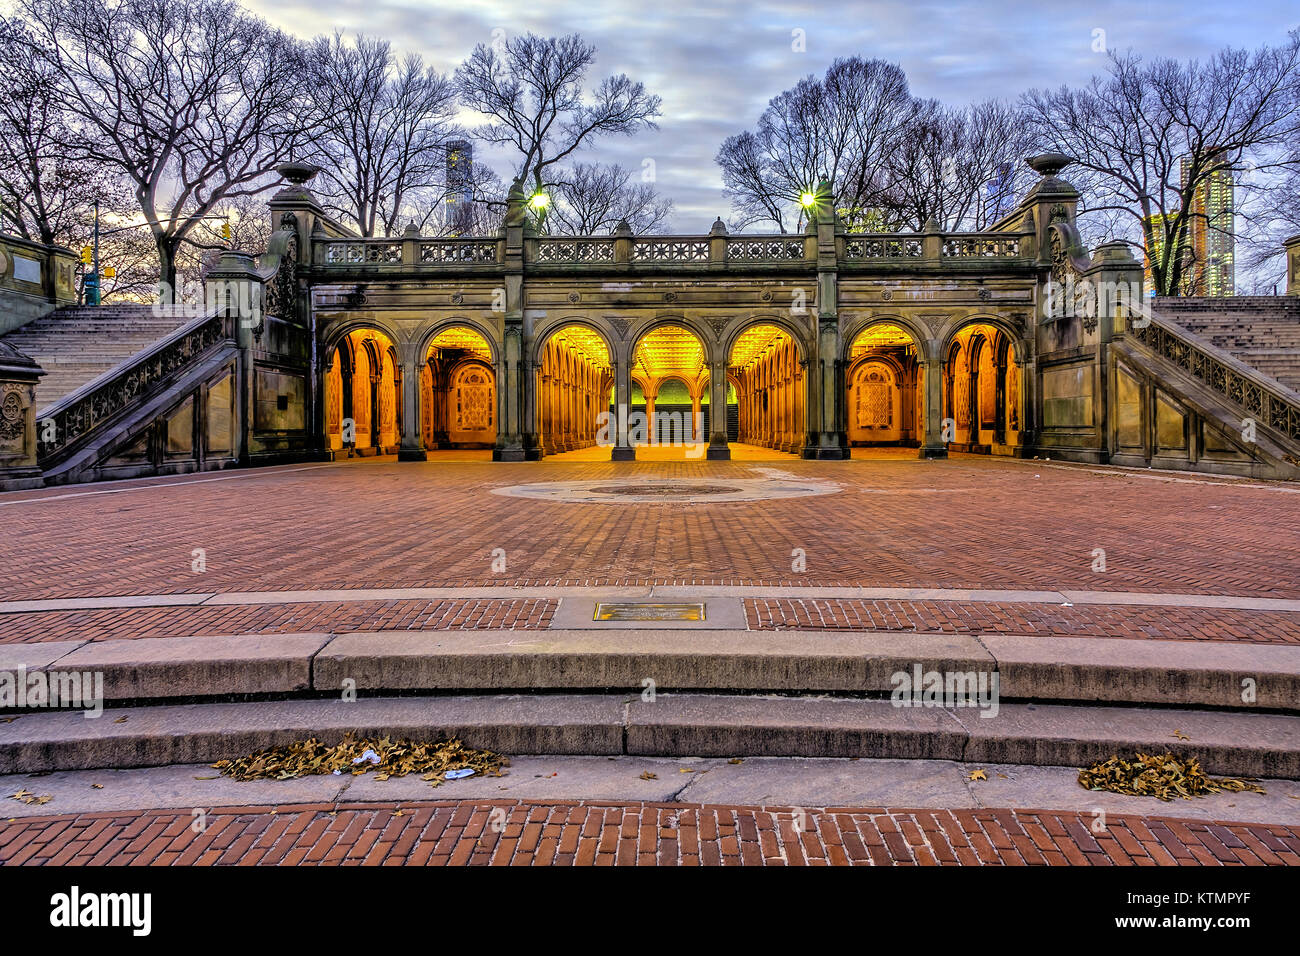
933, 446
622, 450
412, 444
718, 447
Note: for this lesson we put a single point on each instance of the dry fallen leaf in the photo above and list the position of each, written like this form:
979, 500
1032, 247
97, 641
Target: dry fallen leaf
736, 760
97, 786
647, 775
397, 758
686, 770
1164, 776
120, 720
1180, 735
978, 775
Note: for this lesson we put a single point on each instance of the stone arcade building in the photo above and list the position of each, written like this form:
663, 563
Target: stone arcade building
815, 344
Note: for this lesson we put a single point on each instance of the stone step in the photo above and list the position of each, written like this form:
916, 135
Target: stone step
1083, 670
670, 725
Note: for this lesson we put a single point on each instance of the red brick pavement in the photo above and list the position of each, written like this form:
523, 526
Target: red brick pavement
966, 523
115, 624
562, 834
1047, 620
932, 617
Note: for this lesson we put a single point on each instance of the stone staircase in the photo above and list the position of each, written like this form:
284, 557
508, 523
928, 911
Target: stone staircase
77, 345
1262, 331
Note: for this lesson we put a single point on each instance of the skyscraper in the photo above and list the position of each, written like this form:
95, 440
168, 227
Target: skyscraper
1211, 228
460, 171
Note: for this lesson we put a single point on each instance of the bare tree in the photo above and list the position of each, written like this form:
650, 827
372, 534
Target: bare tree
1150, 136
593, 198
961, 168
845, 127
385, 127
46, 195
193, 102
533, 89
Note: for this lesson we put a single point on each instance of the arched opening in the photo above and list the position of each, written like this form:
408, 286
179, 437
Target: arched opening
982, 391
669, 415
768, 379
458, 393
573, 386
363, 396
885, 381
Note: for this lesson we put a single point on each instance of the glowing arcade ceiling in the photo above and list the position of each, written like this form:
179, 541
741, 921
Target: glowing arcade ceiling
754, 343
669, 350
880, 336
464, 339
587, 342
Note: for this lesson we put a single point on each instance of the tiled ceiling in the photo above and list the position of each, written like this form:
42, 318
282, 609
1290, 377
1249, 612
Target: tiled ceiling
880, 336
754, 343
464, 339
669, 350
585, 341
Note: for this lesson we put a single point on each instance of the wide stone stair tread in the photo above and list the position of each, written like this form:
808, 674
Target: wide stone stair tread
703, 725
76, 345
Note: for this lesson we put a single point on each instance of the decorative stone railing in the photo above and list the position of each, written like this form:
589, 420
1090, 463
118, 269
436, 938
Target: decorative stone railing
363, 252
980, 247
76, 418
458, 250
885, 246
766, 248
674, 249
575, 249
1254, 394
718, 249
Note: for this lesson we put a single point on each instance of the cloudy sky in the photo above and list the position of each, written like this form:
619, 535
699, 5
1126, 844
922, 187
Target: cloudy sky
716, 63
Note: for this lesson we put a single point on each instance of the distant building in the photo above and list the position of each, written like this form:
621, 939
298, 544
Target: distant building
460, 171
1211, 227
1209, 253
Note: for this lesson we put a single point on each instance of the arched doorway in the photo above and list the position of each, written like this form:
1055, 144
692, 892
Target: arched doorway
670, 414
885, 381
458, 394
573, 387
363, 396
765, 367
982, 391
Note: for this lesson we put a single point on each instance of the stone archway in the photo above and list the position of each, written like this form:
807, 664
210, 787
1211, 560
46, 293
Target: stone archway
983, 397
885, 387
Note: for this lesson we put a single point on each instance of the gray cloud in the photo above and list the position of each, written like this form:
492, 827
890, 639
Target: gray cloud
717, 67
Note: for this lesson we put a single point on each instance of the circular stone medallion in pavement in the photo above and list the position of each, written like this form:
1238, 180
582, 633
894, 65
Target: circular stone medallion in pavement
667, 491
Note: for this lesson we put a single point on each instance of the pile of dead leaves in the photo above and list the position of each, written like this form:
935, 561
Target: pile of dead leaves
396, 758
1165, 775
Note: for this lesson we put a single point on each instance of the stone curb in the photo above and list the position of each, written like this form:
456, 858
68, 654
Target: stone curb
1262, 745
1098, 670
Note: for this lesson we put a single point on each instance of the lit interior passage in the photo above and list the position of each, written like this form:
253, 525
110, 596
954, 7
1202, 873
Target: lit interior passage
573, 384
982, 392
458, 393
670, 387
886, 389
363, 396
768, 380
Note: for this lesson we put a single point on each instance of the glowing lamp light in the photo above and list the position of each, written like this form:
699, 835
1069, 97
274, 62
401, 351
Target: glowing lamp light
540, 201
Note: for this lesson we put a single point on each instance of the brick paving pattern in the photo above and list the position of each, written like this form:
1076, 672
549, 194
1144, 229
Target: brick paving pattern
561, 834
116, 624
929, 617
965, 523
1047, 620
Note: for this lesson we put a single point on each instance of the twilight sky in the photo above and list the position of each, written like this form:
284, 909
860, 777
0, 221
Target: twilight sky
716, 63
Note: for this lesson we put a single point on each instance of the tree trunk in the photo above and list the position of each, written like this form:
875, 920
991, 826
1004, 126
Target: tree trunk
167, 291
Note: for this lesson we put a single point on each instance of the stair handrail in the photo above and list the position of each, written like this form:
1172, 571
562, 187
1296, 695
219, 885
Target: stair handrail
1263, 398
77, 415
